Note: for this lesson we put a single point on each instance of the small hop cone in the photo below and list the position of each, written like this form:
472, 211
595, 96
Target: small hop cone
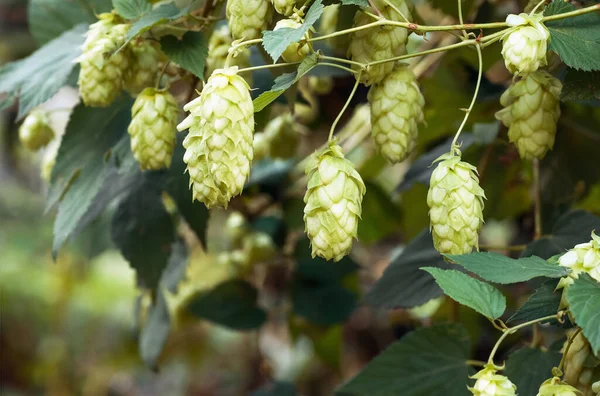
455, 202
378, 43
219, 144
218, 49
584, 257
294, 52
531, 111
489, 383
144, 68
396, 109
282, 136
286, 7
248, 18
333, 203
581, 366
555, 387
152, 128
36, 132
320, 85
524, 48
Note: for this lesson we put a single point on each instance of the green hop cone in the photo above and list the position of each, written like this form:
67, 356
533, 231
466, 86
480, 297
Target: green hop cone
248, 18
144, 69
396, 109
489, 383
102, 70
258, 247
378, 43
152, 128
455, 202
286, 7
261, 146
294, 52
219, 144
555, 387
36, 132
581, 365
282, 135
531, 111
524, 47
333, 203
328, 23
218, 49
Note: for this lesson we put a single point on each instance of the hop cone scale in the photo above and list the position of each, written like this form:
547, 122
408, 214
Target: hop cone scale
555, 387
35, 132
248, 18
489, 383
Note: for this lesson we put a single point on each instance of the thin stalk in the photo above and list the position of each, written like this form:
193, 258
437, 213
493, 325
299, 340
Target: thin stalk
477, 363
460, 18
269, 66
338, 66
468, 113
341, 60
569, 343
339, 116
538, 5
570, 14
238, 45
160, 76
393, 6
537, 200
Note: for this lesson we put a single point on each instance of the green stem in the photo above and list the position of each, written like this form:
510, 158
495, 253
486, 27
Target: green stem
462, 125
538, 5
269, 66
162, 73
570, 14
460, 18
339, 116
569, 343
393, 6
238, 45
478, 363
537, 200
342, 60
338, 66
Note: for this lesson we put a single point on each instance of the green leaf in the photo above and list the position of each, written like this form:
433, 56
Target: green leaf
275, 42
382, 216
482, 297
498, 268
38, 77
159, 15
155, 332
231, 304
190, 52
428, 361
543, 302
283, 82
527, 368
574, 39
583, 297
581, 86
360, 3
131, 9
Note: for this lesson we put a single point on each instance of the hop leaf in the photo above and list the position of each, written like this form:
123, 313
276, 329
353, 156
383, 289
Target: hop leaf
144, 65
294, 52
36, 132
333, 203
555, 387
489, 383
396, 109
219, 144
248, 18
524, 48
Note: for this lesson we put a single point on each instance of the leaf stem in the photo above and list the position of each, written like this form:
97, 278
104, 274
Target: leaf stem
339, 116
338, 66
478, 363
342, 60
569, 343
460, 18
160, 76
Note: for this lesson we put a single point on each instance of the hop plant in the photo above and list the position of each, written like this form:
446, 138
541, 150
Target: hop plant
260, 145
294, 52
248, 18
219, 144
455, 202
333, 203
36, 132
152, 128
218, 49
489, 383
286, 7
144, 69
524, 47
49, 160
102, 70
320, 85
531, 111
282, 136
581, 365
555, 387
378, 43
396, 109
328, 24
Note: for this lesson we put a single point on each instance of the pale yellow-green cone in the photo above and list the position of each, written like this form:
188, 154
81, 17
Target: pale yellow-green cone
555, 387
378, 43
102, 71
581, 366
321, 85
489, 383
333, 203
286, 7
396, 110
152, 128
524, 48
36, 132
145, 65
248, 18
455, 202
282, 135
531, 112
219, 144
294, 52
328, 24
261, 146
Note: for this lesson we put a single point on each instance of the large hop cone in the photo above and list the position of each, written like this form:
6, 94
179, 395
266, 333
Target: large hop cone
219, 144
328, 24
282, 136
396, 109
102, 70
555, 387
333, 203
524, 48
248, 18
378, 43
531, 111
455, 202
294, 52
152, 128
36, 132
490, 383
582, 366
144, 69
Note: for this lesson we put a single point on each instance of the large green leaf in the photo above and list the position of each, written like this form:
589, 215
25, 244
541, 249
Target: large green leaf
162, 14
581, 86
189, 52
583, 297
498, 268
543, 302
131, 9
527, 368
428, 361
482, 297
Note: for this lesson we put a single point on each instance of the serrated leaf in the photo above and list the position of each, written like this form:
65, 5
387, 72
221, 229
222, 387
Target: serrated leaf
131, 9
497, 268
275, 42
583, 297
190, 52
543, 302
159, 15
482, 297
574, 39
527, 368
38, 77
360, 3
428, 361
581, 86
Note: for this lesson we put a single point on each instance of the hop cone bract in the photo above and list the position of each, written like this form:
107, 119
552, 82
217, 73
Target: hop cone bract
248, 18
555, 387
333, 203
489, 383
144, 68
524, 48
219, 144
36, 132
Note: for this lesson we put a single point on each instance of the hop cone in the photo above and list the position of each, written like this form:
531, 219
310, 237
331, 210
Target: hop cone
328, 24
294, 52
524, 48
581, 367
455, 202
321, 85
144, 69
248, 18
218, 49
333, 203
102, 71
286, 7
36, 132
531, 111
554, 387
378, 43
261, 146
396, 109
152, 128
489, 383
282, 136
219, 144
